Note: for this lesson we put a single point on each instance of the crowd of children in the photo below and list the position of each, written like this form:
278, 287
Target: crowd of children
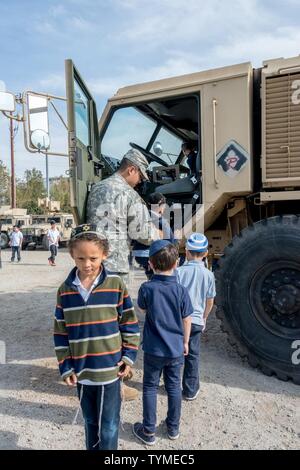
96, 333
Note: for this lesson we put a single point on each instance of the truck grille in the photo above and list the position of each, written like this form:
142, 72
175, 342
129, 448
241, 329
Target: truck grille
281, 143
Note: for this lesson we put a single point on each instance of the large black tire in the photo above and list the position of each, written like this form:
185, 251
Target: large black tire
258, 295
4, 240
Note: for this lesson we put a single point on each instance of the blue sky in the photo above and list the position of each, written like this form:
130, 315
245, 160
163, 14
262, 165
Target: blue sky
118, 42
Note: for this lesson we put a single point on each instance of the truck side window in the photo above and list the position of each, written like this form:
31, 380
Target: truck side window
82, 115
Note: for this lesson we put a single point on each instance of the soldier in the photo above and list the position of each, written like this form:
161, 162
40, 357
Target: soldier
121, 214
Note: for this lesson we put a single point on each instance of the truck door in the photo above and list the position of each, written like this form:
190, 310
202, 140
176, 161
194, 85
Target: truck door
83, 141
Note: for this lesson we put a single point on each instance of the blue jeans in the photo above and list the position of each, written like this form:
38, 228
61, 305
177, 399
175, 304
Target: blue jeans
143, 262
53, 252
104, 400
15, 250
191, 371
153, 368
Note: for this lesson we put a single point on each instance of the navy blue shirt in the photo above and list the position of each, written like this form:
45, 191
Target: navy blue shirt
166, 303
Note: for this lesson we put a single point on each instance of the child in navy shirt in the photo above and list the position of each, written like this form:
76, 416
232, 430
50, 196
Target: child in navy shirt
165, 341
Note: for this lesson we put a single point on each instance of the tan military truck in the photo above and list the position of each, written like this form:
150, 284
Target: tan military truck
244, 193
245, 125
10, 217
35, 235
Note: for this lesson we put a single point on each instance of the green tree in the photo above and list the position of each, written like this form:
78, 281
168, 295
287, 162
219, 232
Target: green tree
29, 190
60, 191
4, 185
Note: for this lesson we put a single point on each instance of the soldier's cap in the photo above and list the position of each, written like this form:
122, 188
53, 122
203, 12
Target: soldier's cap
86, 228
197, 242
158, 245
138, 159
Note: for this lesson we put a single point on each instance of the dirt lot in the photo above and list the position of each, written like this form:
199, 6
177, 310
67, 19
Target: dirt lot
238, 407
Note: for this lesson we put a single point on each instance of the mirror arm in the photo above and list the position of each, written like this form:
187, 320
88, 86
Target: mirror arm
11, 116
58, 114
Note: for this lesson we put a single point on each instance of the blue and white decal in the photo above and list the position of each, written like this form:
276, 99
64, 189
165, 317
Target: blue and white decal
232, 158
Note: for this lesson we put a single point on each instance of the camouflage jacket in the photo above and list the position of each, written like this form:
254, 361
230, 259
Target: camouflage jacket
121, 214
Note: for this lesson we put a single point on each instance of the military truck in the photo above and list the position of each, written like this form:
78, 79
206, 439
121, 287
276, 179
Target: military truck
245, 125
10, 217
245, 192
35, 235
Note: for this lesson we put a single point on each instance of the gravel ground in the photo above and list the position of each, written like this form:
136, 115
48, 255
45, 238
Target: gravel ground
238, 407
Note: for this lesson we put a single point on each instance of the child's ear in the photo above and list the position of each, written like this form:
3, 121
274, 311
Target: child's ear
151, 265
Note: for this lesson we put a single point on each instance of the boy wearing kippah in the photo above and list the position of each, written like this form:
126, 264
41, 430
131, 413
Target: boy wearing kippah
96, 336
200, 283
165, 341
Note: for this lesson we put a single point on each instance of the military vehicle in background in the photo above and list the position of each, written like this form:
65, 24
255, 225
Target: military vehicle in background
245, 192
35, 235
10, 217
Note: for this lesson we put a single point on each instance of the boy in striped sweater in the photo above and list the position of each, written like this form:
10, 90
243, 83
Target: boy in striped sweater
96, 336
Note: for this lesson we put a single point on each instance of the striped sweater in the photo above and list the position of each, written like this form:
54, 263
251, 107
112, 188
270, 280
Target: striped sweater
92, 337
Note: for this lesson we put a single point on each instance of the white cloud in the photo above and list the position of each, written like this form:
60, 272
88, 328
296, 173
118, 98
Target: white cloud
283, 42
52, 83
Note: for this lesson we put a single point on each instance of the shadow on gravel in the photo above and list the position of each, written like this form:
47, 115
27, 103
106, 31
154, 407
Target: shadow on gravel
26, 328
56, 414
9, 441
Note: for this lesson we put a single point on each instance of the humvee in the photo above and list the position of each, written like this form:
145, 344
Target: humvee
10, 217
244, 123
36, 233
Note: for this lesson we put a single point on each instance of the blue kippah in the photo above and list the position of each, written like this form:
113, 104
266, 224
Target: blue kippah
197, 242
157, 246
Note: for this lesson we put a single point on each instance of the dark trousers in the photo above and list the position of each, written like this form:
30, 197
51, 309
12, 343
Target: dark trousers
191, 370
100, 406
53, 252
153, 368
143, 262
15, 250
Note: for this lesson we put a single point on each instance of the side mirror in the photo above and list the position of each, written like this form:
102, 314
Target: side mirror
7, 102
38, 124
157, 149
40, 139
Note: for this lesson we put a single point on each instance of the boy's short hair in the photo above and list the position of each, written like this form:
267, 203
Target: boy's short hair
198, 254
157, 199
164, 259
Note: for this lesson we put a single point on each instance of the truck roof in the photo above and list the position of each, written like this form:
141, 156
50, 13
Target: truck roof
182, 81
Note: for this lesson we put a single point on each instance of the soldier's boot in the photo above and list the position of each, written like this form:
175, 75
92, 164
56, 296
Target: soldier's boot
129, 393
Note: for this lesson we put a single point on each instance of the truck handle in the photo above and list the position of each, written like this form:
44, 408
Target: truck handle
214, 105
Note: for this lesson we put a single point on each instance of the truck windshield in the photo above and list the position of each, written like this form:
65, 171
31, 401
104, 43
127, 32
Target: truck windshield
5, 221
127, 125
39, 220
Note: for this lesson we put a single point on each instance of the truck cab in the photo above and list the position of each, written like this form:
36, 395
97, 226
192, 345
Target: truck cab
244, 193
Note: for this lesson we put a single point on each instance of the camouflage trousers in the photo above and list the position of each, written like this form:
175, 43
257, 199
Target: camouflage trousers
124, 276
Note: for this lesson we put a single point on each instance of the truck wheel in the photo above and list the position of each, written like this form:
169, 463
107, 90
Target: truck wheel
45, 242
258, 295
4, 240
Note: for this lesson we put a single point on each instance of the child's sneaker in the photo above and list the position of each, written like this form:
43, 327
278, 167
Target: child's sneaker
173, 434
193, 397
138, 431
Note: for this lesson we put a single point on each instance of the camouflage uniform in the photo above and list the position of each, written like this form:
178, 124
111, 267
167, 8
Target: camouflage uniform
121, 214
